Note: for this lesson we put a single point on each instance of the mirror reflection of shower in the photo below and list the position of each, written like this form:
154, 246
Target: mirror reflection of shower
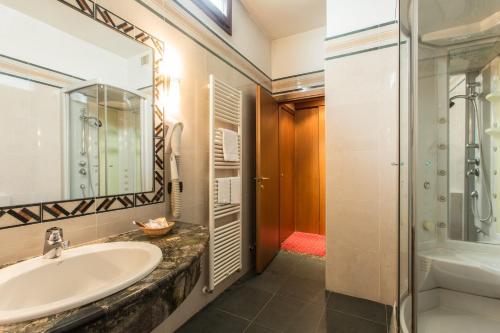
110, 139
86, 144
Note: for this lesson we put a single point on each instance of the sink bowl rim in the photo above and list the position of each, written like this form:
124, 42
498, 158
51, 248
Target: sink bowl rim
64, 304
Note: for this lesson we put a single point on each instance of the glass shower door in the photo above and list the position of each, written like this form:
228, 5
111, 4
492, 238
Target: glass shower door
83, 148
404, 245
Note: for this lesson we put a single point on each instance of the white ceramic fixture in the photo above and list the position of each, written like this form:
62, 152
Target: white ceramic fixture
459, 270
40, 287
447, 311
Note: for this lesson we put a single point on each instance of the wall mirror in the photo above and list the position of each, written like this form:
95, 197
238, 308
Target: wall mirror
76, 105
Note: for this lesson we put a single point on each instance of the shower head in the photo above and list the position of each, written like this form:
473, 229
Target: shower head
469, 97
92, 120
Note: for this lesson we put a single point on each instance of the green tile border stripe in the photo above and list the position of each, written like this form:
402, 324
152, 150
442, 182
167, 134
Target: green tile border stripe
166, 20
361, 30
220, 38
297, 75
30, 80
299, 89
361, 51
41, 67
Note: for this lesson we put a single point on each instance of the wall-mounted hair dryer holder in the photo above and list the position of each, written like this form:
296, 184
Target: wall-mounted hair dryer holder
169, 187
173, 144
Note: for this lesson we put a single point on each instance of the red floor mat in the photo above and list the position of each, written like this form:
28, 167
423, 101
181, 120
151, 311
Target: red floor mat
302, 242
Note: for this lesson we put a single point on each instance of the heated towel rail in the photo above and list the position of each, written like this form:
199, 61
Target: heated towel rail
225, 253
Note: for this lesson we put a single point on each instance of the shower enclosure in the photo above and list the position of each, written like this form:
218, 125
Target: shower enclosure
449, 233
109, 146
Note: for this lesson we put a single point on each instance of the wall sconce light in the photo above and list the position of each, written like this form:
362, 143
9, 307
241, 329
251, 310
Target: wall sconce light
171, 65
171, 68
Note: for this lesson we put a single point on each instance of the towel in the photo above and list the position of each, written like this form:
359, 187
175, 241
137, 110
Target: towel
235, 190
230, 142
223, 190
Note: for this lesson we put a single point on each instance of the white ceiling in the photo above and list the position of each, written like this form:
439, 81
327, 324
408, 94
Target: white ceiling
281, 18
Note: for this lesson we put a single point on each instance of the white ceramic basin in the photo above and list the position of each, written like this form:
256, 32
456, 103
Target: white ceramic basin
40, 287
465, 271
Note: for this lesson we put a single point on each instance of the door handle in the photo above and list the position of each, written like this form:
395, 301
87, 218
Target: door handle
259, 179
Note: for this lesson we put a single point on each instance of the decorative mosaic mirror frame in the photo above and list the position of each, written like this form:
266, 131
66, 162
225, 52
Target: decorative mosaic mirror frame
28, 214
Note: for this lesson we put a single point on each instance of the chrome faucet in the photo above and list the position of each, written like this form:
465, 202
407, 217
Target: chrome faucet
54, 243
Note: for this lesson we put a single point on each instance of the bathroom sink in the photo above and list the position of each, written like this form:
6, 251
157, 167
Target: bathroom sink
40, 287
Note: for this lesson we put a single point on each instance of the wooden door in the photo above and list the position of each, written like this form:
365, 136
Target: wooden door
267, 179
287, 161
307, 170
322, 170
310, 166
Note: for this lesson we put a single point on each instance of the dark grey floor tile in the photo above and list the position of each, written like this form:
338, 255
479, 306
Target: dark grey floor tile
307, 321
310, 268
243, 301
211, 320
278, 312
267, 281
284, 263
358, 307
304, 289
338, 322
254, 328
246, 277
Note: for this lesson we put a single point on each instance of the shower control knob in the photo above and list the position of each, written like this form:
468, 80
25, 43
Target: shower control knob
473, 161
83, 171
473, 172
82, 163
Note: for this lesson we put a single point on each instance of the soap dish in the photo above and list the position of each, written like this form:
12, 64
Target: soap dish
161, 230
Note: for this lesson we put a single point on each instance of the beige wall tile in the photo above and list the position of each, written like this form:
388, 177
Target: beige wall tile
354, 272
362, 186
23, 242
358, 225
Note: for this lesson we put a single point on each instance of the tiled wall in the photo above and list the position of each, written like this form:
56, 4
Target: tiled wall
19, 243
195, 57
31, 168
299, 53
361, 84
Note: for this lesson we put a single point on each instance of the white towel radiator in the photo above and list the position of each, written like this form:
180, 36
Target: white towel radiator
225, 253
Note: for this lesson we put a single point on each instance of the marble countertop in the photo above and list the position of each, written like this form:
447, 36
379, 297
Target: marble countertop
144, 305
